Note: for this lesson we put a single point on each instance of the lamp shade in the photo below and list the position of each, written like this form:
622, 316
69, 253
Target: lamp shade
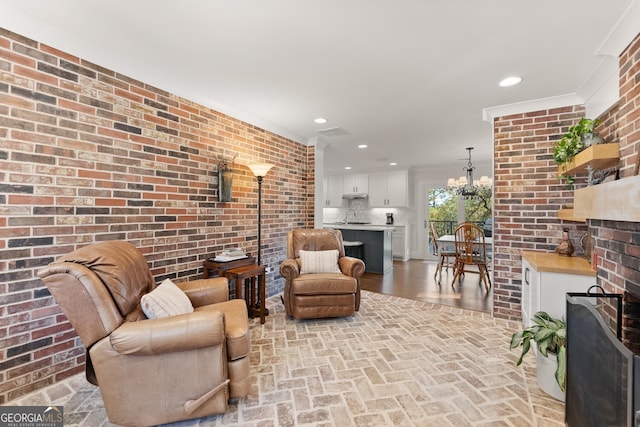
260, 169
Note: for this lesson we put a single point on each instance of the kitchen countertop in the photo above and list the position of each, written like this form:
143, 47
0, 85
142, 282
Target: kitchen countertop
554, 263
367, 227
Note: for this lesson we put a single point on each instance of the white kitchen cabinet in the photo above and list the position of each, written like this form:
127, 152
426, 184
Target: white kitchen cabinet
378, 193
400, 244
357, 183
332, 194
388, 189
546, 279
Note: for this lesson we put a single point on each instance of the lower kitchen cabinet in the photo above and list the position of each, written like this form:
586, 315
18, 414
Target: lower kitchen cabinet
377, 249
547, 278
401, 242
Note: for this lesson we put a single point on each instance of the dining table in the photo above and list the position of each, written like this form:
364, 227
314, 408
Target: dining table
447, 242
450, 239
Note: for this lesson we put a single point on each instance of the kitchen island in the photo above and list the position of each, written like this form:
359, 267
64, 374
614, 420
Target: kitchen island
377, 251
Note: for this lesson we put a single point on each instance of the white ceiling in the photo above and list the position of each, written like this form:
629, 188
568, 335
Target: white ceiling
409, 78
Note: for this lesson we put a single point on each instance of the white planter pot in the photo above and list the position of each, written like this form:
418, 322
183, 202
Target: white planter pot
589, 139
546, 375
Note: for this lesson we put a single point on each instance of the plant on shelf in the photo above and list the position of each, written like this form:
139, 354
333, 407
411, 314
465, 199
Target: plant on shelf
574, 141
550, 335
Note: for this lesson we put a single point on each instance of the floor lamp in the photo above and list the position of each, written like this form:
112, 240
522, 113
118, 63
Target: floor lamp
259, 170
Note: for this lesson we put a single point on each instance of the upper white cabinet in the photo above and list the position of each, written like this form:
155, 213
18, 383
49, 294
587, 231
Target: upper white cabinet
358, 183
388, 189
333, 189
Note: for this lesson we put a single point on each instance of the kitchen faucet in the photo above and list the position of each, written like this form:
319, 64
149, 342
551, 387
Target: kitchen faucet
346, 215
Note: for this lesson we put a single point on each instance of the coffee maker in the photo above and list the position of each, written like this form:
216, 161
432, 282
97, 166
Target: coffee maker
389, 218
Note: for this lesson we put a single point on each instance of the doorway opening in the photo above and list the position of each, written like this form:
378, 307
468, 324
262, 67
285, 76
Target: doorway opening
446, 210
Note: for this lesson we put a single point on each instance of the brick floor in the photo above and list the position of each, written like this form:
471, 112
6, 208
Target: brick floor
396, 362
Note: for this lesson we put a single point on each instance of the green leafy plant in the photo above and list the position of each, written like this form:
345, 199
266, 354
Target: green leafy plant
550, 336
571, 143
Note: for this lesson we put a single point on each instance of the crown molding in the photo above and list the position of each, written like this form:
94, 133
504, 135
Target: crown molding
490, 113
623, 33
602, 89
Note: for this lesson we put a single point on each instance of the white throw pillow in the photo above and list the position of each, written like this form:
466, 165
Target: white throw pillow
165, 300
319, 262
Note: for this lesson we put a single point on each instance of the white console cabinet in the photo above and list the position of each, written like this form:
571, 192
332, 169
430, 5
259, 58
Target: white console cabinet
546, 279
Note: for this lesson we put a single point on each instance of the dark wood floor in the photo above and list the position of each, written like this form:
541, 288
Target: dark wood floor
414, 280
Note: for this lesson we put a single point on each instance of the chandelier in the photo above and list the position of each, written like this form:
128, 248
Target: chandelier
466, 187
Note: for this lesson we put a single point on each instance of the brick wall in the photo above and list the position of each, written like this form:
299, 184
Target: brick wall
87, 155
628, 115
527, 196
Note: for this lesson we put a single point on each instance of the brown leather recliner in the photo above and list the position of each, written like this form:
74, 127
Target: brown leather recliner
151, 371
318, 295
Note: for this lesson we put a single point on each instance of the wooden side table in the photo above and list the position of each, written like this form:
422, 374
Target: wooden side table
253, 277
219, 267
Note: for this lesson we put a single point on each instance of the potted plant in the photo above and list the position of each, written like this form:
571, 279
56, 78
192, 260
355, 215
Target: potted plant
578, 137
549, 335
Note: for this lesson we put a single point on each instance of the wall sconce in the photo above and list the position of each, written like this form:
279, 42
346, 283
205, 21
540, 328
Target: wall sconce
225, 180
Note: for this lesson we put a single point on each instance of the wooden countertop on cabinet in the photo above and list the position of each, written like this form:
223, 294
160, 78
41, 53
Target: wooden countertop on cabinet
554, 263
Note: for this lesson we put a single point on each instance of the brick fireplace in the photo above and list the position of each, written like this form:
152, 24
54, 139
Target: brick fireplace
616, 226
618, 253
603, 376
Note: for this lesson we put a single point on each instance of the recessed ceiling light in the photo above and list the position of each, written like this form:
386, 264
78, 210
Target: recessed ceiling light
510, 81
362, 146
347, 167
393, 164
320, 120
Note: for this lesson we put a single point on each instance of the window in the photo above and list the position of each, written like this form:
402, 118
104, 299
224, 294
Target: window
445, 208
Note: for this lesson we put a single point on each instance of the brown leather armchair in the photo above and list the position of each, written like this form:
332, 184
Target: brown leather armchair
317, 295
151, 371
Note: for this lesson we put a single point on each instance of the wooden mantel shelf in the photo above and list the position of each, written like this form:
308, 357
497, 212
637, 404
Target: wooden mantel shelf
599, 156
615, 201
569, 215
